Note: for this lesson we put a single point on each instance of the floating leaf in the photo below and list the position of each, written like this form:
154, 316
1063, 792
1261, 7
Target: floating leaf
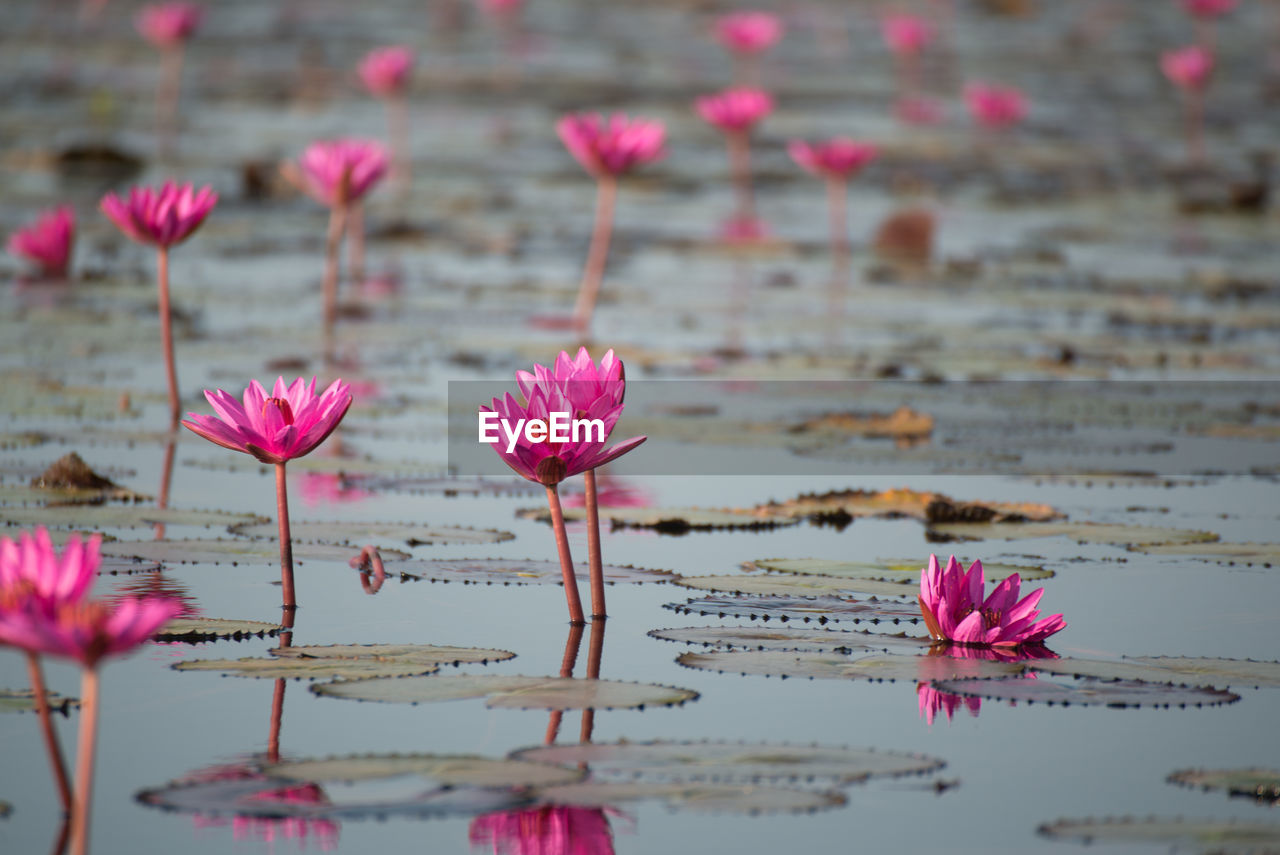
717, 798
674, 520
450, 770
24, 700
512, 692
895, 570
326, 465
789, 585
1088, 692
117, 516
1081, 532
357, 534
197, 628
233, 551
804, 609
1219, 836
518, 571
6, 810
1170, 669
788, 638
932, 508
733, 762
420, 654
444, 486
311, 668
19, 494
1260, 784
1224, 553
833, 666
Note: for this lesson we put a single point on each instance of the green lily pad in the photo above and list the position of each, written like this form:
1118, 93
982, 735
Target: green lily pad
821, 610
1081, 532
733, 762
1087, 692
117, 516
24, 700
452, 770
677, 795
324, 465
441, 486
232, 551
518, 571
929, 507
357, 534
512, 692
789, 585
1265, 554
893, 570
21, 494
788, 638
199, 628
834, 666
1219, 836
346, 661
1170, 669
1255, 783
421, 654
674, 520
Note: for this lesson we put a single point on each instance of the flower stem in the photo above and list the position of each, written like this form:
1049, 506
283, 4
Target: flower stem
85, 750
1195, 125
594, 654
567, 663
598, 254
168, 96
332, 248
50, 735
355, 242
166, 478
277, 697
566, 561
740, 168
594, 558
286, 542
166, 335
837, 206
398, 128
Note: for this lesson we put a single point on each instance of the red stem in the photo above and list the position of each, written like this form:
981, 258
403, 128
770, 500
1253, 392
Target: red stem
168, 96
1195, 125
85, 750
50, 735
594, 654
566, 562
286, 543
567, 663
166, 477
355, 242
333, 246
166, 335
398, 127
740, 168
277, 698
598, 254
594, 558
837, 205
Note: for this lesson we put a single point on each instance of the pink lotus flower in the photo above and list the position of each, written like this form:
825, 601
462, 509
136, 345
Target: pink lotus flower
1208, 8
613, 145
288, 424
838, 158
31, 567
341, 171
905, 34
84, 631
160, 217
1189, 67
735, 109
953, 608
748, 32
583, 383
385, 71
743, 230
995, 106
47, 241
166, 25
917, 110
549, 830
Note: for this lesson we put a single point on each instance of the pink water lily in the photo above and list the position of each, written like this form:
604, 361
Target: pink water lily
341, 171
161, 216
736, 109
1209, 8
1188, 67
906, 34
385, 71
995, 106
83, 631
748, 32
275, 429
288, 423
952, 604
33, 565
48, 241
169, 24
838, 158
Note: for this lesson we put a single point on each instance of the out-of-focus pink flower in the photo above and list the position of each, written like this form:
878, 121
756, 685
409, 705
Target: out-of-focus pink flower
329, 488
743, 230
916, 110
1188, 67
385, 71
837, 158
48, 241
596, 395
612, 492
1208, 8
551, 830
85, 631
288, 424
905, 34
748, 32
31, 567
341, 171
166, 25
500, 8
160, 217
995, 106
612, 145
952, 604
735, 109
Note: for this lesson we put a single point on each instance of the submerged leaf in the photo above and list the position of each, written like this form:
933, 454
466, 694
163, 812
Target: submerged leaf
1087, 692
1254, 783
513, 692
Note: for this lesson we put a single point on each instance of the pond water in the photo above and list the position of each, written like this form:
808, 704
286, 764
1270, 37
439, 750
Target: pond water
1076, 340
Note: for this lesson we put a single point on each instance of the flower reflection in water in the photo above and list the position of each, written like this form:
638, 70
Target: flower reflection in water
549, 830
323, 833
933, 701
